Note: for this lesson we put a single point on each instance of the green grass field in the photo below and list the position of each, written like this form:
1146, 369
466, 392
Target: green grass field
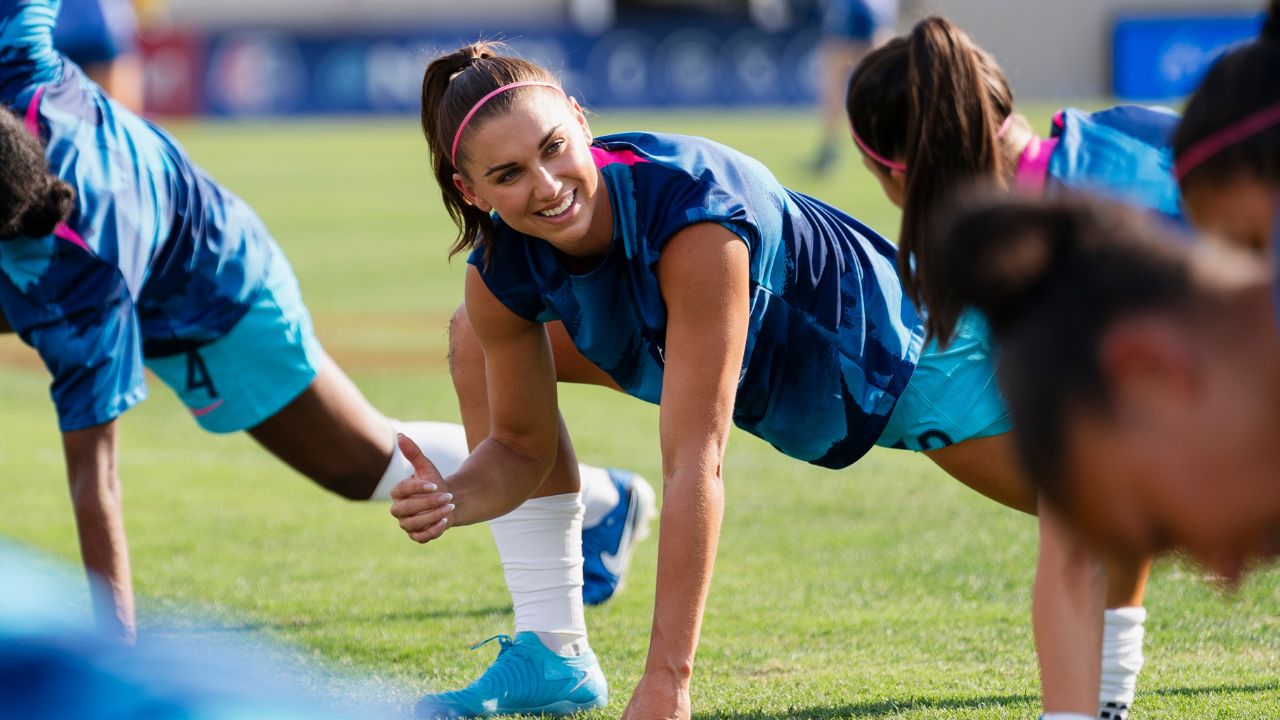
883, 591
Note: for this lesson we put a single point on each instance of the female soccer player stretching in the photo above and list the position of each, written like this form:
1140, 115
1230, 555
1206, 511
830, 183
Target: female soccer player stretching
685, 273
932, 112
157, 264
1228, 144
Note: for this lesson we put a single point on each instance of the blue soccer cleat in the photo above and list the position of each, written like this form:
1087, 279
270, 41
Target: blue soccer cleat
526, 678
607, 545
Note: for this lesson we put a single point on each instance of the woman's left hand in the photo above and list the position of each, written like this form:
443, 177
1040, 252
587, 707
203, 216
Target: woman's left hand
421, 502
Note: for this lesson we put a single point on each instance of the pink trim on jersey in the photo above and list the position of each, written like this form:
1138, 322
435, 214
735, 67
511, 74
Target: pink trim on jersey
33, 112
32, 121
610, 157
65, 232
201, 412
1033, 166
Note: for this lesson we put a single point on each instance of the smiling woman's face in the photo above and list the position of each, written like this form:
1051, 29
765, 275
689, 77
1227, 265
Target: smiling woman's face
533, 166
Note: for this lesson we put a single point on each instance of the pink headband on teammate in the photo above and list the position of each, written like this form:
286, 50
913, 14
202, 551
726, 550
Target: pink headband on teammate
902, 167
457, 137
1218, 141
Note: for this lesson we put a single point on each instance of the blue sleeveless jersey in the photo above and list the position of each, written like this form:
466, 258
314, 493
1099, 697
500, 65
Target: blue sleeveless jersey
832, 340
1123, 153
155, 257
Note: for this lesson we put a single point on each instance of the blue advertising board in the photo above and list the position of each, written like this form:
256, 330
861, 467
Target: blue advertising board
1160, 57
271, 73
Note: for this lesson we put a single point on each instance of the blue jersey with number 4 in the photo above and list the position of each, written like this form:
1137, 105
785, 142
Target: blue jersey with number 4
832, 340
155, 258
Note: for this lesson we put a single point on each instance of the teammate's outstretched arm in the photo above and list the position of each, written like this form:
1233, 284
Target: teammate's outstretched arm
99, 509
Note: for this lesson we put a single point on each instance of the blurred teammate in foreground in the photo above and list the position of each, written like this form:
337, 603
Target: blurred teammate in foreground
1141, 371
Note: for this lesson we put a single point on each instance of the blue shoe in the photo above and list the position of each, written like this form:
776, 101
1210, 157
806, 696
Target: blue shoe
607, 545
526, 678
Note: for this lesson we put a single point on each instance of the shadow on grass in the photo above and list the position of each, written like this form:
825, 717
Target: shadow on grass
888, 708
251, 626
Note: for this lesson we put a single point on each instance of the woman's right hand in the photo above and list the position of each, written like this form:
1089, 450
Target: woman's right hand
422, 501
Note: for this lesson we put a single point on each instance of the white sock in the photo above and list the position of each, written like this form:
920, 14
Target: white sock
540, 544
444, 444
1122, 659
599, 494
1065, 716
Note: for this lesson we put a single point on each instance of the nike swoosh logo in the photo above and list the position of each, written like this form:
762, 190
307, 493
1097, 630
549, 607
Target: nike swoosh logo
201, 412
616, 562
585, 677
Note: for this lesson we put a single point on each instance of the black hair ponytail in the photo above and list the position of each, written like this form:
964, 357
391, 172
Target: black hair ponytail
32, 201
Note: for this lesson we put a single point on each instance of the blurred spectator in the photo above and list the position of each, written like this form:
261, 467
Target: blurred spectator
850, 28
101, 36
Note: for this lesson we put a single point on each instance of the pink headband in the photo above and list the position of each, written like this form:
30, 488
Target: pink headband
1218, 141
902, 167
453, 154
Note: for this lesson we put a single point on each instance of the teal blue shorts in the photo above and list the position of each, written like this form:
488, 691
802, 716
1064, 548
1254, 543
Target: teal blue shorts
952, 395
265, 361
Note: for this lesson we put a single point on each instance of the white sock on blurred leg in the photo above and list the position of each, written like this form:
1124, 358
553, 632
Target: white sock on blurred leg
1122, 659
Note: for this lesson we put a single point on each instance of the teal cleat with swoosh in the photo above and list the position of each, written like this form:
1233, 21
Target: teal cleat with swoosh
525, 679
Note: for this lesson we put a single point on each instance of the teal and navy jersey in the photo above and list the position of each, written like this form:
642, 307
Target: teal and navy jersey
832, 340
155, 258
1123, 153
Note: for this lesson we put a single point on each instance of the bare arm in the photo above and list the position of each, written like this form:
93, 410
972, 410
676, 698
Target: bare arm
506, 468
99, 510
705, 283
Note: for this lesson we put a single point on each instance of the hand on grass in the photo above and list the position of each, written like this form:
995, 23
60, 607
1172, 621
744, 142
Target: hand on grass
421, 502
659, 696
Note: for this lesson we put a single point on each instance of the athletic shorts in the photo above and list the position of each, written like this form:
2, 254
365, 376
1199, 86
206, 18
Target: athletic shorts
265, 361
952, 395
96, 31
858, 19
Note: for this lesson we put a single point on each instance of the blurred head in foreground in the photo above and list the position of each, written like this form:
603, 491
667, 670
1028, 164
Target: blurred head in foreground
1142, 371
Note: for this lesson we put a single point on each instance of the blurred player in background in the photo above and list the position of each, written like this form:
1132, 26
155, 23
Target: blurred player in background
850, 28
1228, 144
1141, 372
101, 36
690, 278
130, 255
932, 112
